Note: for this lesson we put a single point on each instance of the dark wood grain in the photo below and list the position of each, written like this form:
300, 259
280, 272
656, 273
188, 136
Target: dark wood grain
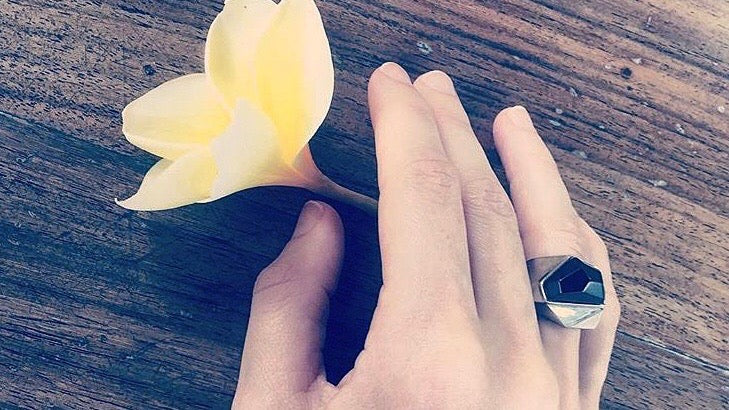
105, 308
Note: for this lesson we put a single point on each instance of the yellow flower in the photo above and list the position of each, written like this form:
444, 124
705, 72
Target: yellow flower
247, 121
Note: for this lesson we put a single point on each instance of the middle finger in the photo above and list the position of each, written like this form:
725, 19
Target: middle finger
503, 294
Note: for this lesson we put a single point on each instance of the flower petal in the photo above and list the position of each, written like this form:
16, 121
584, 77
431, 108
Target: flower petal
231, 47
178, 116
295, 74
247, 154
171, 184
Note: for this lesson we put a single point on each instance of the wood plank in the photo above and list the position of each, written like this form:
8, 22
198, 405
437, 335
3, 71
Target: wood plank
105, 308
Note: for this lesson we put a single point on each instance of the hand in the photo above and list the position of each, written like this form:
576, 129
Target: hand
455, 325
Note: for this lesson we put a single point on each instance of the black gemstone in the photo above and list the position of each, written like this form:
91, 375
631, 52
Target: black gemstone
574, 282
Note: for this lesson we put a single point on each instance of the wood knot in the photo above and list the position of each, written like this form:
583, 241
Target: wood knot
149, 70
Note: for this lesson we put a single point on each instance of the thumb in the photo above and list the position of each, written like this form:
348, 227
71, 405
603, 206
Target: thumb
282, 350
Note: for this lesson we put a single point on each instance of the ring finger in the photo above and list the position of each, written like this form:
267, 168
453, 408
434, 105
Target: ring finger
549, 226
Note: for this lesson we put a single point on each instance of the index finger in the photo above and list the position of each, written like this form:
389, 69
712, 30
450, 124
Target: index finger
422, 224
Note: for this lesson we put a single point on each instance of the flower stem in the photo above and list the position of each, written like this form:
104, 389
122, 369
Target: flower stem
337, 192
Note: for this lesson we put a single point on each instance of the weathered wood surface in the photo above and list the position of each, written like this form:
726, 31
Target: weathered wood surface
105, 308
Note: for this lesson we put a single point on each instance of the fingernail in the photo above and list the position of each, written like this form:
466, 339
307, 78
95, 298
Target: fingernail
520, 117
309, 218
395, 72
438, 81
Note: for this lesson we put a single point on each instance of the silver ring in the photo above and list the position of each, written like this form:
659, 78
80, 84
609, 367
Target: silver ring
567, 291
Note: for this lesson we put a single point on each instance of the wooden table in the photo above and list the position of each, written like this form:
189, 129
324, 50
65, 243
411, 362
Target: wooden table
105, 308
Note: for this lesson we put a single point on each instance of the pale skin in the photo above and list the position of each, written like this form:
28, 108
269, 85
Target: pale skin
455, 325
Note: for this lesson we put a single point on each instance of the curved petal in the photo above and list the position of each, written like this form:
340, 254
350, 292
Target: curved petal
247, 154
231, 47
171, 184
295, 74
178, 116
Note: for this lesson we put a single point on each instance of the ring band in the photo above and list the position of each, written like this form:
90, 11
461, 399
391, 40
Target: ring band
567, 291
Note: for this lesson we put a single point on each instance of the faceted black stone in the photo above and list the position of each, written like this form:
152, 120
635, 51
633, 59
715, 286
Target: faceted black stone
574, 282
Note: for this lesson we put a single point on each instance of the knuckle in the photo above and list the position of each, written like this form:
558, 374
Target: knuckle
570, 230
274, 276
483, 195
280, 290
572, 236
433, 178
564, 237
276, 284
